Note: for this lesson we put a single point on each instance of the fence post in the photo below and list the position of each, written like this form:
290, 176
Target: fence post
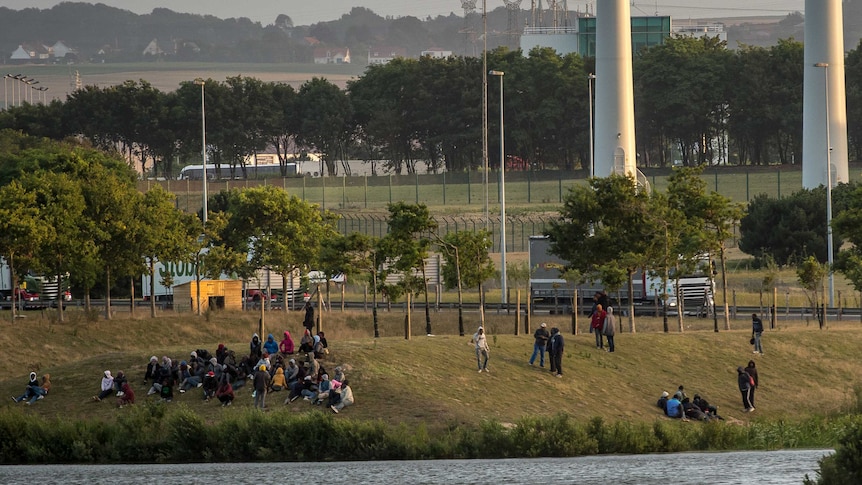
575, 312
407, 318
518, 313
417, 188
444, 187
733, 312
774, 306
747, 196
366, 190
529, 187
560, 186
303, 188
390, 188
323, 192
779, 183
529, 309
840, 307
469, 193
344, 191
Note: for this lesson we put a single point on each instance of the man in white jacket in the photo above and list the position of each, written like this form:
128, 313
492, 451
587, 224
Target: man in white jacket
482, 349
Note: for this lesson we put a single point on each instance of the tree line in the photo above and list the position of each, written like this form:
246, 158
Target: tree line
696, 103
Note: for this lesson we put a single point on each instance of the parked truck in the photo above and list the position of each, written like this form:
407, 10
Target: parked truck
32, 288
549, 290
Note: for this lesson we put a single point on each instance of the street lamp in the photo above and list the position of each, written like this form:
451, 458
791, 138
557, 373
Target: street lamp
590, 79
32, 88
504, 299
16, 77
829, 251
202, 83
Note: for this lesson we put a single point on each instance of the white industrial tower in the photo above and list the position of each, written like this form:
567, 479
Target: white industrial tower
615, 116
824, 95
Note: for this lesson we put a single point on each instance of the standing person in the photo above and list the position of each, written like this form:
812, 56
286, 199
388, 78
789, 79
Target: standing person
261, 383
744, 381
557, 347
482, 349
541, 335
608, 328
756, 332
751, 370
308, 322
598, 319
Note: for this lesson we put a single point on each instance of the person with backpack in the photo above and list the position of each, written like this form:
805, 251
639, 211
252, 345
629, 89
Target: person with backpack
541, 335
751, 370
745, 383
756, 332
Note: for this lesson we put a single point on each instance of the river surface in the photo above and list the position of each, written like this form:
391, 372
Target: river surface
725, 468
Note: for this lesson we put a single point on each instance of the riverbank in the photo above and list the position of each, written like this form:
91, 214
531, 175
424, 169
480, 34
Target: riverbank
432, 381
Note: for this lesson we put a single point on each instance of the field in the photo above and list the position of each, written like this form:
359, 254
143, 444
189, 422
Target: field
433, 380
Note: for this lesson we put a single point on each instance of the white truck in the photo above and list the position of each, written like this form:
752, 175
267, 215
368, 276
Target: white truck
549, 290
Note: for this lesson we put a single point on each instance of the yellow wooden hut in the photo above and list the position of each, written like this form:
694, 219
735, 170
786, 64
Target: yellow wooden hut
214, 294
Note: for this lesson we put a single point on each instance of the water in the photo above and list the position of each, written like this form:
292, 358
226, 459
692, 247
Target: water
761, 467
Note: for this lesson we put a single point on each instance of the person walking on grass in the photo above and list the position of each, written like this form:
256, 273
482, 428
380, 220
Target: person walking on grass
541, 335
557, 348
482, 349
756, 332
745, 383
751, 370
608, 328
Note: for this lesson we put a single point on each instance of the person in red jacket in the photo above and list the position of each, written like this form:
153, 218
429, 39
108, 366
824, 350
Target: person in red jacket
128, 396
596, 323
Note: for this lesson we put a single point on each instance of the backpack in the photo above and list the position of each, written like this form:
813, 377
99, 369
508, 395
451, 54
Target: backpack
751, 381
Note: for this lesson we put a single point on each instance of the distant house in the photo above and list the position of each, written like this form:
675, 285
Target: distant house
30, 53
436, 53
383, 54
158, 49
60, 50
331, 55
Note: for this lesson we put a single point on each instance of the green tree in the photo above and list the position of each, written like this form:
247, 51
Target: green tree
325, 113
21, 231
810, 274
467, 263
612, 222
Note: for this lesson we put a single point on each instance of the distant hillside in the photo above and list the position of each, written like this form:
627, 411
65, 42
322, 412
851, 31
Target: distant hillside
99, 33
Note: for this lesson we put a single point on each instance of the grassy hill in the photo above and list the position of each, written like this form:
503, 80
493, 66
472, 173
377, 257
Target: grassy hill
433, 380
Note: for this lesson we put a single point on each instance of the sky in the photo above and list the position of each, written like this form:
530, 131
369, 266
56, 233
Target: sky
305, 12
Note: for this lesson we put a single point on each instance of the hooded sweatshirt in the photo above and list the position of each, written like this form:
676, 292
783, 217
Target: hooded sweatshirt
107, 381
270, 346
46, 382
278, 378
286, 345
480, 340
610, 323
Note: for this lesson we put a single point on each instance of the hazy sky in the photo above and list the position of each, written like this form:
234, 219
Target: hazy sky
304, 12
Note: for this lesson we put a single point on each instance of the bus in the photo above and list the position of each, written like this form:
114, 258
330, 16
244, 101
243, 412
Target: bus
269, 170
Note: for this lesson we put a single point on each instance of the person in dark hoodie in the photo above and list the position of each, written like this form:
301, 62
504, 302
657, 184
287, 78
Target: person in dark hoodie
261, 383
128, 396
152, 372
541, 336
270, 346
557, 348
743, 380
255, 348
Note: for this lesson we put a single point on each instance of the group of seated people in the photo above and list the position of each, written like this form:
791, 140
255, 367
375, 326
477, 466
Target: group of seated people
220, 375
679, 406
119, 385
35, 390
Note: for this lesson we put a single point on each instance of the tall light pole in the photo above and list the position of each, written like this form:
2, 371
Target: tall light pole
6, 91
15, 86
485, 108
503, 299
830, 257
202, 83
32, 88
590, 79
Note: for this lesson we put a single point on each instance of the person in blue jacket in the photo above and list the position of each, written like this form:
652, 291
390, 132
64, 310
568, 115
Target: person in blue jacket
270, 346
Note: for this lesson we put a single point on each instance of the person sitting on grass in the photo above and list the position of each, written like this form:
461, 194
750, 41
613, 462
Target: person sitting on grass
152, 372
286, 347
662, 402
167, 390
119, 380
278, 381
224, 393
692, 411
342, 399
107, 386
707, 408
674, 409
306, 344
323, 343
309, 388
270, 346
296, 389
291, 374
30, 390
209, 385
322, 389
313, 367
128, 396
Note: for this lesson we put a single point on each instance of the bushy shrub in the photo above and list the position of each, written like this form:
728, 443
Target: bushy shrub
844, 467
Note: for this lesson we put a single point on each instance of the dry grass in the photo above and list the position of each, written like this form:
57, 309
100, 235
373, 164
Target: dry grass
433, 380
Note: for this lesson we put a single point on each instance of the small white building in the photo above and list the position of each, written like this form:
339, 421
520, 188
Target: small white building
436, 53
331, 55
382, 54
